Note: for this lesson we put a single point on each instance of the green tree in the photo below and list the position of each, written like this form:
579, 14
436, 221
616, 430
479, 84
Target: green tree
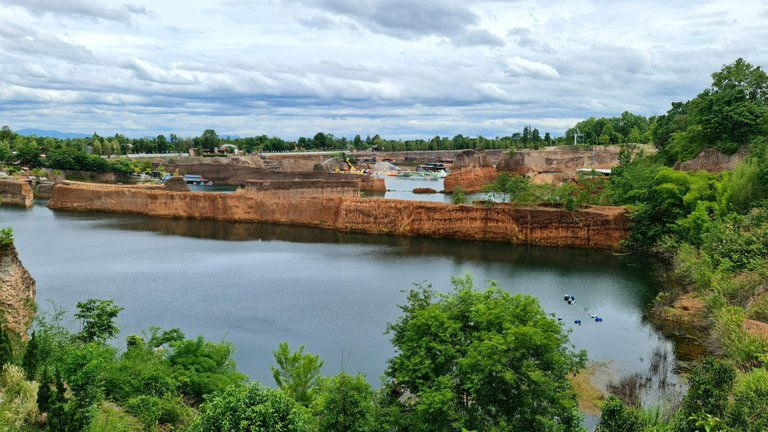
296, 373
97, 318
5, 151
203, 367
481, 360
6, 134
28, 153
251, 409
345, 403
209, 139
6, 345
617, 417
31, 357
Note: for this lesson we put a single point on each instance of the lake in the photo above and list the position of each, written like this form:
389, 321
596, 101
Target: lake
257, 285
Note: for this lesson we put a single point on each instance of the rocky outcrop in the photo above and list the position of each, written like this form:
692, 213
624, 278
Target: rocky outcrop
471, 171
424, 191
596, 227
555, 165
712, 161
17, 293
176, 184
16, 193
43, 189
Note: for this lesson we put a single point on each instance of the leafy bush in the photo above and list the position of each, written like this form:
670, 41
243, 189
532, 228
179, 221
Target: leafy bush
251, 409
492, 360
458, 196
748, 411
296, 373
617, 417
745, 349
156, 413
203, 367
139, 371
345, 403
109, 417
6, 237
710, 383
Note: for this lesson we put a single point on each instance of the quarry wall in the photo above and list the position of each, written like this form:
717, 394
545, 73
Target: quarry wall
594, 227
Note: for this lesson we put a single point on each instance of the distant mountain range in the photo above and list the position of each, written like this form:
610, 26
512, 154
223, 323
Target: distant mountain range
51, 133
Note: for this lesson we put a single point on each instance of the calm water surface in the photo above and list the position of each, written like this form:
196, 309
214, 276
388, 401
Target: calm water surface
257, 285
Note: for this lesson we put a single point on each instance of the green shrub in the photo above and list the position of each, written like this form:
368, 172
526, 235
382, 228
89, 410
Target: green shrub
139, 371
458, 196
18, 400
345, 403
745, 349
109, 417
748, 410
6, 237
617, 417
251, 409
203, 367
160, 413
710, 383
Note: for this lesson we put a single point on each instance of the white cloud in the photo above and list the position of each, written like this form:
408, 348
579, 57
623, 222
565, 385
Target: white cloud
520, 66
398, 68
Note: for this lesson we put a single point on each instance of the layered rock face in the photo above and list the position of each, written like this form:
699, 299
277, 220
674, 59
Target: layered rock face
712, 161
17, 293
596, 227
471, 171
557, 165
240, 170
294, 189
15, 192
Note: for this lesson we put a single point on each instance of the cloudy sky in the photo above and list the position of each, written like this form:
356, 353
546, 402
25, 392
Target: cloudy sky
400, 68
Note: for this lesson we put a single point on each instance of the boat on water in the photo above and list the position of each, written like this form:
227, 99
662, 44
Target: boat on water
197, 180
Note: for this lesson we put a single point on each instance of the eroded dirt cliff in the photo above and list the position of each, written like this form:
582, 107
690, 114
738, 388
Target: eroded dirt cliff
557, 164
471, 171
16, 193
712, 161
17, 293
596, 227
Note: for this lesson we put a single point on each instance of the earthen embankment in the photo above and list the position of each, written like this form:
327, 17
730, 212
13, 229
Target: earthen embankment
596, 227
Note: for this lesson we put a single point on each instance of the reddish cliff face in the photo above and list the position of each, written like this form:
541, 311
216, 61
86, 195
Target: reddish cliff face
471, 171
15, 192
17, 293
469, 179
597, 227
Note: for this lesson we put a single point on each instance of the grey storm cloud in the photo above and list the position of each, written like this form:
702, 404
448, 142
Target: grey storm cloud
407, 19
80, 8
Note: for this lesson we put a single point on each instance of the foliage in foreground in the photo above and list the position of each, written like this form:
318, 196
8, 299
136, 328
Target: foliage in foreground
481, 360
491, 362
